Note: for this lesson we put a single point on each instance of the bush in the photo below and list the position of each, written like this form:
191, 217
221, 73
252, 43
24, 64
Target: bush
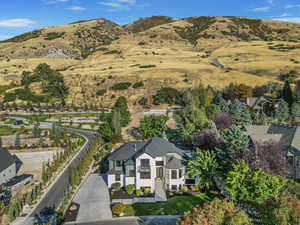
138, 84
146, 66
101, 92
184, 189
168, 96
116, 186
118, 209
139, 192
147, 190
129, 210
130, 189
284, 210
54, 35
121, 86
217, 212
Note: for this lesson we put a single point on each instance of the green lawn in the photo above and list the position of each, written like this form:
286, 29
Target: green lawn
174, 206
45, 116
6, 130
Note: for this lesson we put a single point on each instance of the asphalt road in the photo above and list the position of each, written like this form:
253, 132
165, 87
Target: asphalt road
55, 194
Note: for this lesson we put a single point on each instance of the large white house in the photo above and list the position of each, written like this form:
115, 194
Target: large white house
144, 163
8, 168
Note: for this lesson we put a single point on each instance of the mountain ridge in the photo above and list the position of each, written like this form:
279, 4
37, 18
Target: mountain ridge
94, 55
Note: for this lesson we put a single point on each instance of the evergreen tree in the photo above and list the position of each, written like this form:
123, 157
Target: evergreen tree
297, 92
282, 112
41, 141
221, 102
240, 113
295, 110
287, 93
235, 140
17, 140
122, 107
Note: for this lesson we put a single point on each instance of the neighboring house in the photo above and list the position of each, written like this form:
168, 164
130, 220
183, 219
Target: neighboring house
8, 168
141, 163
262, 104
287, 135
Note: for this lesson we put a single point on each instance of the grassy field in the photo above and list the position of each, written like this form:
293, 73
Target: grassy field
6, 130
45, 117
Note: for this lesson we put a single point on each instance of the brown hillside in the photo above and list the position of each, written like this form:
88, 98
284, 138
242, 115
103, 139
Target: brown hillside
160, 51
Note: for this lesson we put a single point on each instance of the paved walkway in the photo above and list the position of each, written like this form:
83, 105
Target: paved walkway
160, 192
94, 200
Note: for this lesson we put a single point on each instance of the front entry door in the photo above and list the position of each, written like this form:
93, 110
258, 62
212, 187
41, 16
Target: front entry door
159, 172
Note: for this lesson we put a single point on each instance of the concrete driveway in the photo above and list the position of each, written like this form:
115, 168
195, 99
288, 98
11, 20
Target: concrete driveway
94, 200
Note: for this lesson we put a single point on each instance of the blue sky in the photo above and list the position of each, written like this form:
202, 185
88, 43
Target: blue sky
19, 16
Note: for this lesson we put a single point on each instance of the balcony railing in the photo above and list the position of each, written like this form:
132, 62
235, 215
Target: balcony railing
144, 168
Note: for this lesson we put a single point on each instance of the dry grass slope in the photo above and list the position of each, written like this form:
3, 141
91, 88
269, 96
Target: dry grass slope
160, 51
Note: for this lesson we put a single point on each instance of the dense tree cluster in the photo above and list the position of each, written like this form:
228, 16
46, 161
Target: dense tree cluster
217, 212
52, 81
110, 129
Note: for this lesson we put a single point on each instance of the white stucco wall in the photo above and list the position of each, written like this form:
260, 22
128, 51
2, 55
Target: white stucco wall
111, 179
8, 174
145, 182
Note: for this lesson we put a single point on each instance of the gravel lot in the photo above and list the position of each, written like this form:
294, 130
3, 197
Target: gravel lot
33, 161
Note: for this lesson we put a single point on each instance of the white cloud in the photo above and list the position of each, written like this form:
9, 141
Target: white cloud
76, 8
16, 23
4, 37
292, 6
261, 9
117, 5
289, 19
284, 15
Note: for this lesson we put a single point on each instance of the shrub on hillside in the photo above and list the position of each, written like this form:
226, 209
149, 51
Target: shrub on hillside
101, 92
167, 95
138, 84
121, 86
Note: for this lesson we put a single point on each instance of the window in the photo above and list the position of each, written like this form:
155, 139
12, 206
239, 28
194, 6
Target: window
159, 163
145, 163
173, 174
180, 173
118, 163
145, 175
118, 177
131, 173
174, 187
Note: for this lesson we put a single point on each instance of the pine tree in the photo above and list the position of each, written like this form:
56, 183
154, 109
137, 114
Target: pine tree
297, 92
295, 110
240, 113
282, 112
221, 102
287, 93
17, 140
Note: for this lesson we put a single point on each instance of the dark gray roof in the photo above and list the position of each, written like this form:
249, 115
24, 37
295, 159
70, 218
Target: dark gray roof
155, 147
6, 159
287, 135
278, 132
126, 151
174, 163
